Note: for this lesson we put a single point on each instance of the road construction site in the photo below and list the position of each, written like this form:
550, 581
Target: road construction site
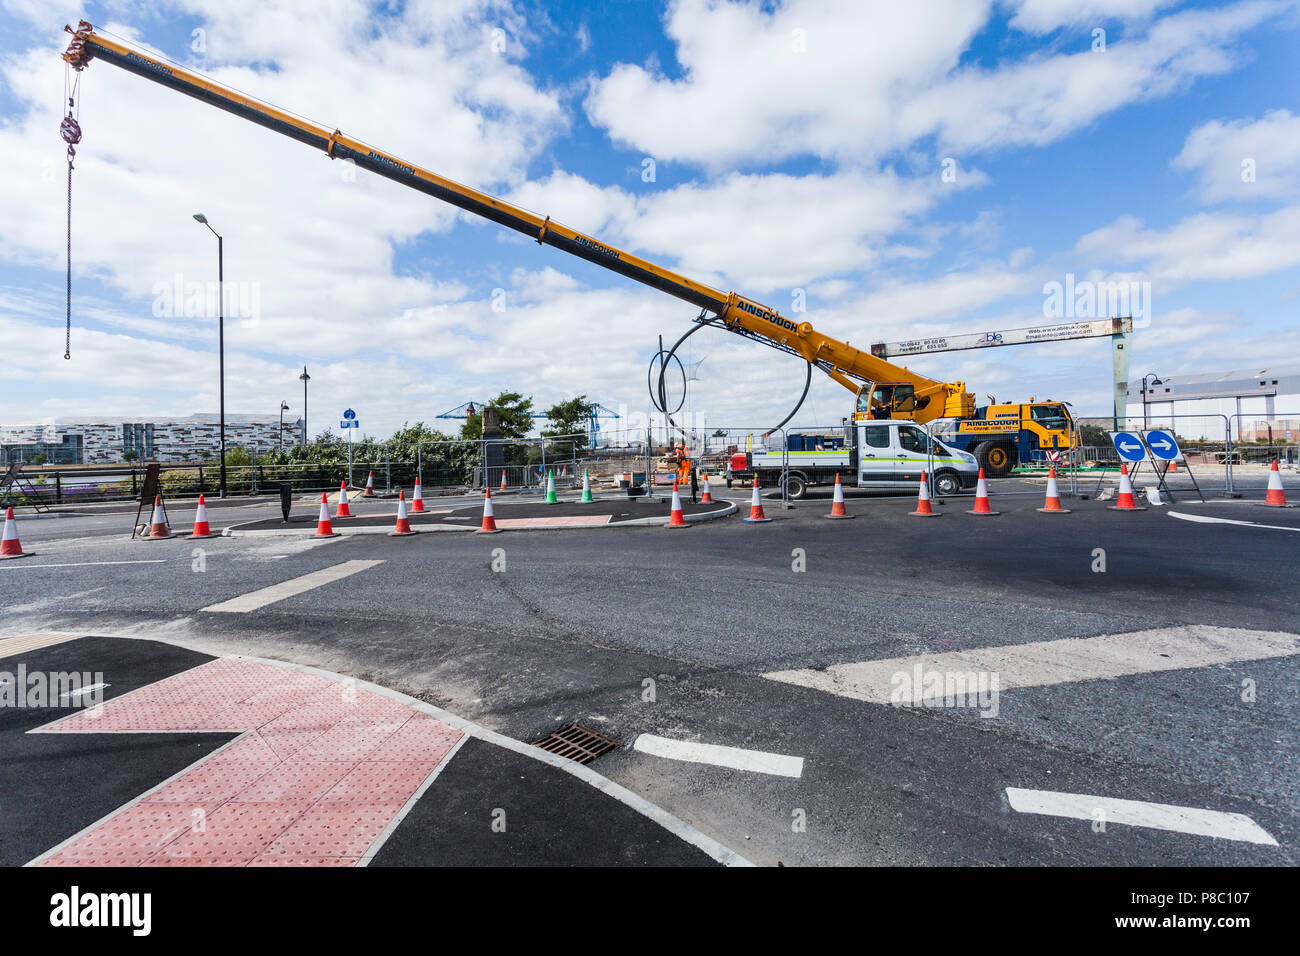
757, 692
941, 659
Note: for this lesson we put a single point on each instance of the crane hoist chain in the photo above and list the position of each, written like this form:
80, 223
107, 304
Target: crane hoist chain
70, 130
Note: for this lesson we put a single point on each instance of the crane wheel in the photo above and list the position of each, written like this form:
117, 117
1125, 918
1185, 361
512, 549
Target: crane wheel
996, 459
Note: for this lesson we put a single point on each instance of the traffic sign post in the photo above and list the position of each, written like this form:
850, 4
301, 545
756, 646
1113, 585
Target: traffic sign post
1130, 447
1163, 446
349, 422
1131, 450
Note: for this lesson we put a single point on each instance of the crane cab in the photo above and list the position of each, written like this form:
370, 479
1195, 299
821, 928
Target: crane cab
884, 401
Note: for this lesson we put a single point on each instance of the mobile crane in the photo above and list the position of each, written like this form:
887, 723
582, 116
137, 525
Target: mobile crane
883, 390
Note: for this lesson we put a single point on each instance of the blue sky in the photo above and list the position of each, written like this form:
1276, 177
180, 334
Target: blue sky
795, 146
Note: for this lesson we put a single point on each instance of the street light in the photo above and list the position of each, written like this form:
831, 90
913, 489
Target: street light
221, 342
1155, 380
304, 378
284, 407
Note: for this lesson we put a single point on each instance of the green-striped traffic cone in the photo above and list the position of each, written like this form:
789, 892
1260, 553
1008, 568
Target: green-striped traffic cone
586, 487
550, 489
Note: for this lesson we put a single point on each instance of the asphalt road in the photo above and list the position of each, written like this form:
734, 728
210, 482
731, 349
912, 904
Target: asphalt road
637, 631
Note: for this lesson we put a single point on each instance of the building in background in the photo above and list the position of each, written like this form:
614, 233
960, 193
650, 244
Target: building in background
64, 441
1179, 400
1277, 431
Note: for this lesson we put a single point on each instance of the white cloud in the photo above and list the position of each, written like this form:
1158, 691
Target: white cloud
1202, 247
876, 78
1044, 16
315, 238
760, 234
750, 94
1245, 158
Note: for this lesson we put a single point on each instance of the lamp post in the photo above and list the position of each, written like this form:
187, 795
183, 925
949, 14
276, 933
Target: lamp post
304, 378
284, 407
221, 343
1155, 380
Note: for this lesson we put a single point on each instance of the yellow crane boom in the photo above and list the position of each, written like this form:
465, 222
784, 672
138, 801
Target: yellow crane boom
883, 387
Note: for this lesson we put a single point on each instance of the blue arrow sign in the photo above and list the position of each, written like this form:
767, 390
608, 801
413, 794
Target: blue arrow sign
1162, 444
349, 414
1129, 446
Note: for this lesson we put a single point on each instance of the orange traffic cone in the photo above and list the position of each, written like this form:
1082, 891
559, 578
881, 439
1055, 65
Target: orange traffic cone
756, 515
503, 479
982, 498
417, 499
675, 517
403, 526
10, 546
370, 486
201, 529
1173, 468
706, 496
1276, 495
1052, 502
923, 508
158, 523
344, 511
489, 516
323, 527
837, 503
1124, 501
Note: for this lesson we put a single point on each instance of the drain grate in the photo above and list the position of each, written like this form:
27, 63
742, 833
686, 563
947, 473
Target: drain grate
576, 743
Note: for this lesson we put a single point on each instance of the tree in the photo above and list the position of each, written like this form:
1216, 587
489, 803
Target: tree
569, 419
237, 456
516, 414
402, 446
1093, 436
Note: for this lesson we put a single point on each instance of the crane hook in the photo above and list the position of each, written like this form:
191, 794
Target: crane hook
70, 130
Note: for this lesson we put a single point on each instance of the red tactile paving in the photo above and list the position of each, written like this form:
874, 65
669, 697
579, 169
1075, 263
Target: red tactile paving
571, 521
323, 770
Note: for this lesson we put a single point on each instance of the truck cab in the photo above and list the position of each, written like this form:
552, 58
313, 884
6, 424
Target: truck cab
1000, 436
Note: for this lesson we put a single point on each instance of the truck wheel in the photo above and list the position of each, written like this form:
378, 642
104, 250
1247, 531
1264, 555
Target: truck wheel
795, 487
997, 459
946, 484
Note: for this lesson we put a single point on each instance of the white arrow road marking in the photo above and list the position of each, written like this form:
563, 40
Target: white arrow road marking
1055, 662
287, 589
1206, 519
756, 761
84, 690
1139, 813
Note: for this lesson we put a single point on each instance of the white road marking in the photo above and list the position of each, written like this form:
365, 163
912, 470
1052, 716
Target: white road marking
287, 589
80, 564
1042, 663
1206, 519
275, 549
1139, 813
84, 690
756, 761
